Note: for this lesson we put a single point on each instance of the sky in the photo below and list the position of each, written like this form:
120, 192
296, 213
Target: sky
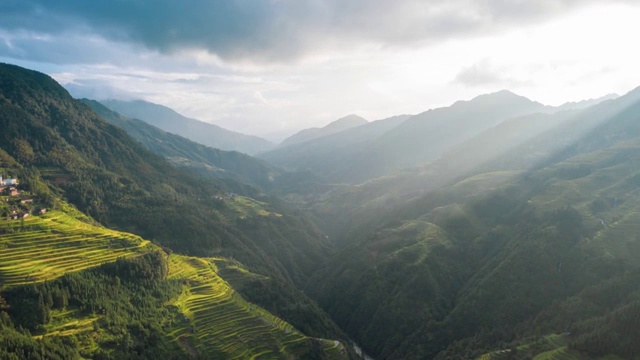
273, 67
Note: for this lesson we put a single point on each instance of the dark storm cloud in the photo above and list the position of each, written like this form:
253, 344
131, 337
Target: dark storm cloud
274, 30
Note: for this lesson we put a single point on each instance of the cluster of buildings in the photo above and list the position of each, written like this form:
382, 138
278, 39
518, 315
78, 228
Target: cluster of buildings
8, 182
15, 215
9, 187
226, 196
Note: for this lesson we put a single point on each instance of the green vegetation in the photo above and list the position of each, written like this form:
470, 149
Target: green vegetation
110, 312
235, 329
526, 251
105, 292
48, 246
247, 207
514, 253
190, 155
281, 299
182, 300
112, 178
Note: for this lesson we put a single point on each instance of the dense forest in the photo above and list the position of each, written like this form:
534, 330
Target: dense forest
130, 294
525, 249
68, 159
496, 258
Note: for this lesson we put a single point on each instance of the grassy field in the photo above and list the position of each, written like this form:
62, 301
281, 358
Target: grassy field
215, 321
45, 247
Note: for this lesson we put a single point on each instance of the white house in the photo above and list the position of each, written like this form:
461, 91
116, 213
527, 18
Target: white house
8, 182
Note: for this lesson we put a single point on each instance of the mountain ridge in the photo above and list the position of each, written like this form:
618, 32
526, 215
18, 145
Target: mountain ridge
201, 132
486, 258
336, 126
331, 154
61, 151
183, 152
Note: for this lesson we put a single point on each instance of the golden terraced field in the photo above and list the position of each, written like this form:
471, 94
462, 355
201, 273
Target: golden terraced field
45, 247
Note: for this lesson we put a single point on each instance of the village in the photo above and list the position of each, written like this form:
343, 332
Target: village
17, 204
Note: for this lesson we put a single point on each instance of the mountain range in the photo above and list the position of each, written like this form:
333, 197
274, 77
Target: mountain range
92, 178
386, 146
336, 126
495, 228
184, 153
201, 132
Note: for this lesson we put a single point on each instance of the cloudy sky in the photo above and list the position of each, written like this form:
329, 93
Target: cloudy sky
272, 67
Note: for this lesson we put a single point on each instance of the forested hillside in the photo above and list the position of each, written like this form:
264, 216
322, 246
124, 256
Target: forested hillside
501, 152
518, 242
112, 178
493, 262
192, 129
319, 180
184, 153
62, 152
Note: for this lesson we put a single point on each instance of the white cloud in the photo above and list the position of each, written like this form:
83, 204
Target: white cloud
584, 53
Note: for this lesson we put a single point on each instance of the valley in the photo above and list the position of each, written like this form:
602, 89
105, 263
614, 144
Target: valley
513, 239
206, 319
319, 180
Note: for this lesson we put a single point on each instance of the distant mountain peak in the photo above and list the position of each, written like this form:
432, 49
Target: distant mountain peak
346, 122
502, 95
342, 124
502, 98
588, 102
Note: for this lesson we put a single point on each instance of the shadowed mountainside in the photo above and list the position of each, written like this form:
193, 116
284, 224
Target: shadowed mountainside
201, 132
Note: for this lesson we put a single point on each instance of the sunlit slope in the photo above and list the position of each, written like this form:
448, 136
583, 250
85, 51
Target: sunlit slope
551, 347
219, 323
604, 187
45, 247
515, 250
211, 319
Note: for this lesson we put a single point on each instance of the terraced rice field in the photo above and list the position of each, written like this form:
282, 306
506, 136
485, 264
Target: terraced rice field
212, 321
218, 322
247, 207
559, 354
556, 342
68, 322
45, 247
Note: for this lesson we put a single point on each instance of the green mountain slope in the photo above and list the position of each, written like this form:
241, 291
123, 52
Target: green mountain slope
487, 159
47, 246
182, 152
112, 178
192, 129
60, 150
52, 139
90, 288
235, 328
466, 270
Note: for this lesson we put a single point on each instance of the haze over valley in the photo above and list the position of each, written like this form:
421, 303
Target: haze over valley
319, 180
